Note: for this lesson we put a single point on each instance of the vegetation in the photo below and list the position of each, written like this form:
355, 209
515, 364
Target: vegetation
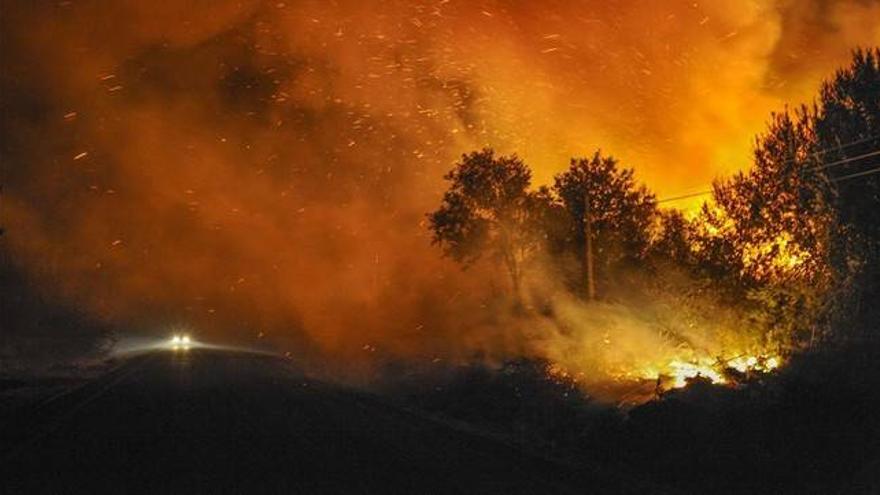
793, 243
811, 428
604, 201
847, 125
792, 246
489, 210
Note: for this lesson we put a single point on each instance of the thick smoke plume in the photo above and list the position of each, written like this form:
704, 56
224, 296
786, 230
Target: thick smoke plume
250, 167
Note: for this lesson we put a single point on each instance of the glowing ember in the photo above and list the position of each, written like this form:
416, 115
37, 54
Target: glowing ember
683, 371
677, 373
745, 364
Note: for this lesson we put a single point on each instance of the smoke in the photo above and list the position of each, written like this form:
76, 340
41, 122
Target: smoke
252, 167
642, 331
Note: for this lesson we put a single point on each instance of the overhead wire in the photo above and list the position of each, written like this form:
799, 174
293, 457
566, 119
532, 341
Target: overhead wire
824, 166
857, 174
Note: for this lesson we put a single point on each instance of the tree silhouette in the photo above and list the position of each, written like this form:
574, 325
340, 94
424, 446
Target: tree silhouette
765, 239
778, 214
848, 125
792, 235
489, 210
620, 213
674, 238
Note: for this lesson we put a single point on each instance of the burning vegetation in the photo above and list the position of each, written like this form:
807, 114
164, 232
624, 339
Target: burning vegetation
261, 170
609, 287
637, 227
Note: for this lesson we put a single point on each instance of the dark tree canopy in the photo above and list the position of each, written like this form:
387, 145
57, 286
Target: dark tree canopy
765, 239
797, 230
489, 210
787, 240
621, 213
776, 217
674, 238
848, 127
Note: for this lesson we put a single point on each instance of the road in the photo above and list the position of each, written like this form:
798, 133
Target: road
207, 421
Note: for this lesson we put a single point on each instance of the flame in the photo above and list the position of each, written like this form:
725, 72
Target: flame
683, 371
677, 373
639, 381
745, 364
784, 253
263, 167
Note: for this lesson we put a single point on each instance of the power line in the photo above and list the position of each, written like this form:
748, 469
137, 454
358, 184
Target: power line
836, 148
829, 150
857, 174
813, 169
684, 196
847, 145
845, 160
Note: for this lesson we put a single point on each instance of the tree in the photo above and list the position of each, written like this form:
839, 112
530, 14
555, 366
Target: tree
794, 236
765, 240
673, 241
489, 210
848, 127
608, 210
778, 215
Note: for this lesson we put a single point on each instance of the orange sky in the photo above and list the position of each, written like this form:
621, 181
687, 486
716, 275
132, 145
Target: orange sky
251, 166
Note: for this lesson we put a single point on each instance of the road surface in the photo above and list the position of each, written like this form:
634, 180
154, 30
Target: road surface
206, 421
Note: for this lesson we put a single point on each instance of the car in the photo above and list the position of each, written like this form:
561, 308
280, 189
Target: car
180, 342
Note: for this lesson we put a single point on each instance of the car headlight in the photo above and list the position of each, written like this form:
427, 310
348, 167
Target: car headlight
180, 342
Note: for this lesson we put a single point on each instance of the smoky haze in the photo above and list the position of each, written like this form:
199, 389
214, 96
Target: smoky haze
245, 167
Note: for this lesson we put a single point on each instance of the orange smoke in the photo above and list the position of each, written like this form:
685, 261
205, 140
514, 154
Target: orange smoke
265, 166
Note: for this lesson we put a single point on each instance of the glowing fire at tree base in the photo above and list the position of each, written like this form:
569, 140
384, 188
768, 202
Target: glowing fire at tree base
644, 383
678, 373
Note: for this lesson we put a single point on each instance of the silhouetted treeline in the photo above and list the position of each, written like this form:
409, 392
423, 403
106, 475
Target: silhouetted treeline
792, 245
490, 210
793, 242
797, 235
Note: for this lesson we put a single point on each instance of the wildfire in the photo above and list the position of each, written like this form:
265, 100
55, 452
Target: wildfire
654, 346
682, 371
678, 373
717, 371
747, 364
783, 253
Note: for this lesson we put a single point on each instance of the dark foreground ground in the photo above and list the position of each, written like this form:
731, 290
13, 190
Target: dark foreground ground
812, 427
228, 422
219, 422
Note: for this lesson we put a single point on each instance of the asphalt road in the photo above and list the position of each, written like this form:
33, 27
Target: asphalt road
220, 422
